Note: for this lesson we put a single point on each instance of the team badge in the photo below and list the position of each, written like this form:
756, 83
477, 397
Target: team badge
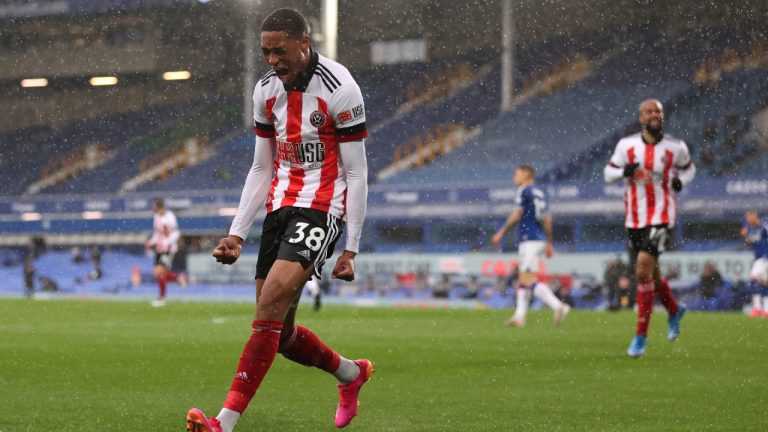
317, 119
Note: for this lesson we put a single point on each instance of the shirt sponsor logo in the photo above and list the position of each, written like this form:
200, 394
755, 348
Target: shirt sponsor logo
351, 114
309, 155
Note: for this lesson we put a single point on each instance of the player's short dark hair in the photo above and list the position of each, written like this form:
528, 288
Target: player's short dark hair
529, 169
158, 202
286, 20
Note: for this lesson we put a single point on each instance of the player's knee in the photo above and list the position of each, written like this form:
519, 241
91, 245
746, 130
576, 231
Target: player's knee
287, 336
276, 298
527, 279
643, 277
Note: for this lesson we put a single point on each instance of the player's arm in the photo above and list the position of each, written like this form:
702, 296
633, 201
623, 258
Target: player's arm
510, 223
347, 109
618, 167
254, 194
356, 165
745, 233
175, 234
685, 168
546, 224
257, 183
151, 241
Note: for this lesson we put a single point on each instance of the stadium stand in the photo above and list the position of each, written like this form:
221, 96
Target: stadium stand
576, 94
33, 147
568, 135
226, 169
139, 139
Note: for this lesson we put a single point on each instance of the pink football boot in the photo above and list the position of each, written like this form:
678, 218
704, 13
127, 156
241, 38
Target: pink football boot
348, 403
198, 422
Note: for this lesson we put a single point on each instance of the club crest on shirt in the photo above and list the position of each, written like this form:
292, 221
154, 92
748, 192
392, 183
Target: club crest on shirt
317, 118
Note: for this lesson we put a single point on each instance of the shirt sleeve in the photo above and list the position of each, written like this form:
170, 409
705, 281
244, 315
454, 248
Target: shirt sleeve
519, 198
173, 227
615, 168
356, 166
348, 111
263, 126
155, 233
686, 169
542, 203
256, 188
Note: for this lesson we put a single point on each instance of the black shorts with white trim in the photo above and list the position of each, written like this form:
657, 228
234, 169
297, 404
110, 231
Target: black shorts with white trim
296, 234
653, 239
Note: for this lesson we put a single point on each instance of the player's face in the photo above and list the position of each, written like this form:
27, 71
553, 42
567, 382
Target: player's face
651, 116
520, 177
159, 209
287, 56
752, 219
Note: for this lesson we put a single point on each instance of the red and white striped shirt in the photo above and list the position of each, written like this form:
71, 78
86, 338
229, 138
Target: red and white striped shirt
308, 122
165, 238
651, 201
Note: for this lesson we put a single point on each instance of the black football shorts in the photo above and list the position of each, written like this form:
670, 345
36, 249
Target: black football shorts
653, 239
303, 235
164, 259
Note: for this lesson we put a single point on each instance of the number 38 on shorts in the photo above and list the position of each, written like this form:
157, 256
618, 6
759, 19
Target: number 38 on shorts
300, 235
311, 237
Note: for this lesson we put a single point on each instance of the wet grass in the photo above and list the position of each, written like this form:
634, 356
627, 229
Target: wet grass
104, 366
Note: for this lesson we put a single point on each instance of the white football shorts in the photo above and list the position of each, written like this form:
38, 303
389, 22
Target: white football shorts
530, 254
759, 270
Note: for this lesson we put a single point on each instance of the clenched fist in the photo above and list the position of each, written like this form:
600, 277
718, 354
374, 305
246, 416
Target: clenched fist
345, 267
228, 250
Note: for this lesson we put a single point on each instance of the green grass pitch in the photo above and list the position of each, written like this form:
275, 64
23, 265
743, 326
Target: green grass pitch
107, 366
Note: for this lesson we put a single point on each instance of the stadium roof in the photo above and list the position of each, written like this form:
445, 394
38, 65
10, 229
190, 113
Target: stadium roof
10, 9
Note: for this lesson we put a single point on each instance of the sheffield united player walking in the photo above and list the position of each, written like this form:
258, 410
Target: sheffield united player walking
310, 168
165, 242
653, 167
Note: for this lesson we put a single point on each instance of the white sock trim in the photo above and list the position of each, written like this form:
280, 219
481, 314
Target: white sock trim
228, 419
347, 371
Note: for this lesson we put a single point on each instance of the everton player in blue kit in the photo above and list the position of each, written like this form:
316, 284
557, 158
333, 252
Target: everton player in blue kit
755, 234
534, 232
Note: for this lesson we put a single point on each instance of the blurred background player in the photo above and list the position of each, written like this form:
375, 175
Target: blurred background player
755, 234
534, 232
310, 167
29, 275
653, 167
313, 287
165, 243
